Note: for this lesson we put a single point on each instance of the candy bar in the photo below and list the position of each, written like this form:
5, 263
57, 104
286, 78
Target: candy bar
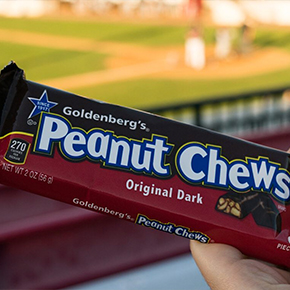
158, 173
238, 204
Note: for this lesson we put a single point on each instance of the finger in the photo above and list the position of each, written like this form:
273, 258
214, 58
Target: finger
285, 274
224, 266
218, 252
214, 261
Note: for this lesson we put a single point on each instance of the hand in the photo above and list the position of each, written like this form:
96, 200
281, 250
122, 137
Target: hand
226, 268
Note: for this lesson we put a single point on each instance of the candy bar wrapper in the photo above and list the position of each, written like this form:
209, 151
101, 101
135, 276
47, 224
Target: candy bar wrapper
146, 169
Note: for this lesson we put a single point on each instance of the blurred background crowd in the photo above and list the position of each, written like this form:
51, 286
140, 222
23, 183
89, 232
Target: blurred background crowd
226, 12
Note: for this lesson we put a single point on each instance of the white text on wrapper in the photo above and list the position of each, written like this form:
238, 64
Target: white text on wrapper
146, 156
27, 173
283, 247
196, 163
165, 192
171, 229
101, 209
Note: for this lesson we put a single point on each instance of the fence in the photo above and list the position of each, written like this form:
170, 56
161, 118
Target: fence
235, 114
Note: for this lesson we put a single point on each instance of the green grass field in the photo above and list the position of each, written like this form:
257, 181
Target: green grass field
44, 63
140, 33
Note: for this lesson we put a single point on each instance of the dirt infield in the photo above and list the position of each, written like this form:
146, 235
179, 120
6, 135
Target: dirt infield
170, 64
236, 66
129, 61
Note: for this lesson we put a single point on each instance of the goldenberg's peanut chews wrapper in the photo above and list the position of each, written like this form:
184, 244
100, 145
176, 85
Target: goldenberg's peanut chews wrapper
157, 173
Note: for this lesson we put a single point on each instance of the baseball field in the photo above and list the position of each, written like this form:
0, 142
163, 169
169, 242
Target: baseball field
138, 64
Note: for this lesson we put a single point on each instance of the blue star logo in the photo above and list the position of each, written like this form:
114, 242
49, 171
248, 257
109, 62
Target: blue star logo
41, 105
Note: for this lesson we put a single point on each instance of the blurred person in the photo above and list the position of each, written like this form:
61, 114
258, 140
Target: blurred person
246, 39
193, 9
223, 43
194, 50
226, 268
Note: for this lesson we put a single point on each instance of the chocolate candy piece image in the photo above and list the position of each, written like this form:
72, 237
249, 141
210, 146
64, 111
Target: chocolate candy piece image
266, 213
259, 204
236, 204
